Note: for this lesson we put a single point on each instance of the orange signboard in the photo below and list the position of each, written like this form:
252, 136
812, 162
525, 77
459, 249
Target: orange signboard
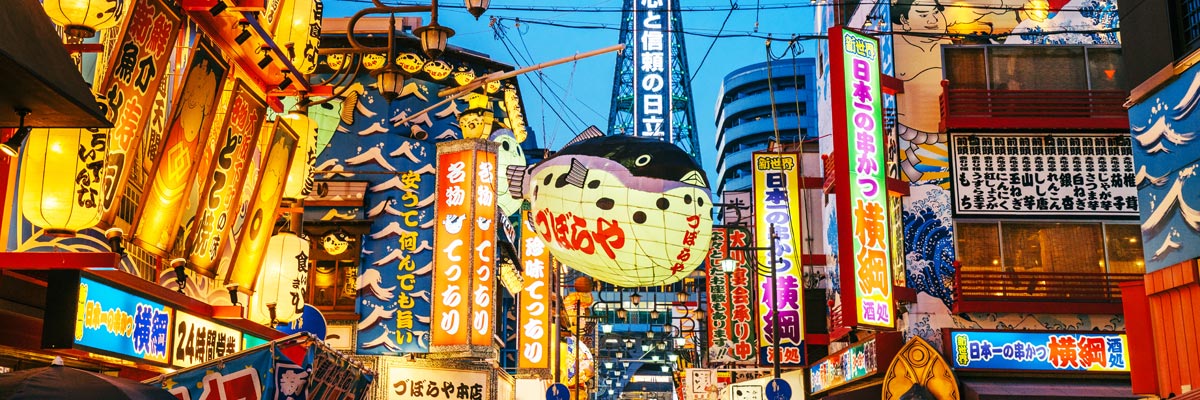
187, 134
465, 236
533, 346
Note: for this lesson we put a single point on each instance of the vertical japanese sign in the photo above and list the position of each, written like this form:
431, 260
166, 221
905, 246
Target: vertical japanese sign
187, 133
1039, 351
483, 277
777, 204
240, 131
719, 326
111, 320
652, 68
534, 324
278, 148
464, 249
742, 333
136, 69
862, 206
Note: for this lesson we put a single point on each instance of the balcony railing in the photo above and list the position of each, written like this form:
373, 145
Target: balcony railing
1039, 292
993, 109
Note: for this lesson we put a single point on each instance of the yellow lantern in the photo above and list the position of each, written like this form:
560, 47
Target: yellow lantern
82, 18
299, 33
299, 178
61, 179
476, 121
282, 281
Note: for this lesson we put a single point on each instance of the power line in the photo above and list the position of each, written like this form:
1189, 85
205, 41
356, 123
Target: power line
760, 7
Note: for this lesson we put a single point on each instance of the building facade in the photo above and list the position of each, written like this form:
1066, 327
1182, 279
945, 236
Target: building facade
744, 115
1016, 210
1160, 63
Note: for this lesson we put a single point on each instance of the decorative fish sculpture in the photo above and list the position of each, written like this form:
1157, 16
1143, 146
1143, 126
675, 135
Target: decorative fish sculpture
626, 210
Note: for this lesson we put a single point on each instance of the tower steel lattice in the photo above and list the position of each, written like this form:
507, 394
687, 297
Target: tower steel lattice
652, 91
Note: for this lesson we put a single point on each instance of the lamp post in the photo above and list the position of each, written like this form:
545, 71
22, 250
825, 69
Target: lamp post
729, 264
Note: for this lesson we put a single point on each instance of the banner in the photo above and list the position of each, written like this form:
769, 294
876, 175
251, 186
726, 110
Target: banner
297, 367
260, 217
135, 71
187, 134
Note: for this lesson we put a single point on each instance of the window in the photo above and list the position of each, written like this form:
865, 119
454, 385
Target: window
1186, 15
1056, 247
333, 285
1001, 67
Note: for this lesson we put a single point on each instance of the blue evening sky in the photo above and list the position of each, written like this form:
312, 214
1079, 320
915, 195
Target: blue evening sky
586, 86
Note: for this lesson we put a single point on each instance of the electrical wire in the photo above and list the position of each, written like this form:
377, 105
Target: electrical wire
760, 7
732, 6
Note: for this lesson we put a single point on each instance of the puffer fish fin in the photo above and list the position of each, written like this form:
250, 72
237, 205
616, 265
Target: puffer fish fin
516, 180
694, 178
589, 133
348, 107
577, 176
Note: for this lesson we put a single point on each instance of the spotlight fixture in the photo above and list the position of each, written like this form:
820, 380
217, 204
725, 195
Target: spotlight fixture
218, 8
12, 146
271, 313
285, 83
265, 61
180, 266
116, 240
244, 36
233, 293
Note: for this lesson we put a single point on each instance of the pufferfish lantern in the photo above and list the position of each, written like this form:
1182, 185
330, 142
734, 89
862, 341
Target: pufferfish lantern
625, 210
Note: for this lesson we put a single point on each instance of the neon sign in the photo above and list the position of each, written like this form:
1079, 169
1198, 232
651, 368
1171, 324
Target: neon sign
1039, 351
652, 68
777, 204
112, 320
862, 205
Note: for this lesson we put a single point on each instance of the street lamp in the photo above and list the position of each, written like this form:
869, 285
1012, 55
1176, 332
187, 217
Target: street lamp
728, 265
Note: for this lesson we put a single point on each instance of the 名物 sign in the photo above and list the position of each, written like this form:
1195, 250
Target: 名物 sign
1039, 351
777, 205
860, 168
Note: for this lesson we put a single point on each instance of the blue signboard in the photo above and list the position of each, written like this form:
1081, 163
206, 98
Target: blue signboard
1039, 351
112, 320
652, 68
1164, 152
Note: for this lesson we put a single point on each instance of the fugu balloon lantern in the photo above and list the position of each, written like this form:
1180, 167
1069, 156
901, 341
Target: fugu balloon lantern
625, 210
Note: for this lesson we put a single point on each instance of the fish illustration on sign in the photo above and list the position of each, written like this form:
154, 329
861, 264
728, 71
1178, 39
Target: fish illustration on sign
626, 210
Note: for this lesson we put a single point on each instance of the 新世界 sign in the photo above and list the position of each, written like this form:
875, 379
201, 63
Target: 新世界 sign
1039, 351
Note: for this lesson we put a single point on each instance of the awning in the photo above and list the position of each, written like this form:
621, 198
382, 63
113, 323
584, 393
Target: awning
39, 74
1009, 389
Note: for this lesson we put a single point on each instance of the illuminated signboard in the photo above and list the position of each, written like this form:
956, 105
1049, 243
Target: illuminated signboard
138, 66
243, 121
111, 320
862, 206
846, 366
464, 241
175, 171
483, 220
652, 70
1039, 351
535, 329
277, 148
199, 340
731, 321
777, 204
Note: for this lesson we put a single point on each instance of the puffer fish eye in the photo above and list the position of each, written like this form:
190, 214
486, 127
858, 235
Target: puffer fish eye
642, 160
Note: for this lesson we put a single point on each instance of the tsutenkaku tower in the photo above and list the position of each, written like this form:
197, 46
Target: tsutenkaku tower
652, 93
